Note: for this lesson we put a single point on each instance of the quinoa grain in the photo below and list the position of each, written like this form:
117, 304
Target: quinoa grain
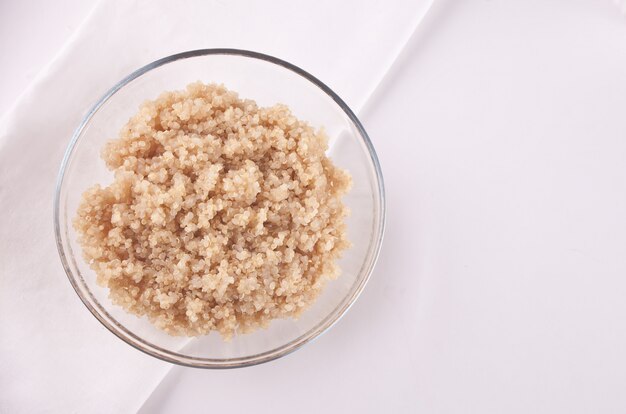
221, 217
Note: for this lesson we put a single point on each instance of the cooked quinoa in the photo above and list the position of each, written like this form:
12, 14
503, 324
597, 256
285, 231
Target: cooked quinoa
222, 215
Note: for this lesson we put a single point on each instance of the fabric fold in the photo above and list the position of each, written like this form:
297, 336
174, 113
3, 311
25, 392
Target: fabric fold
55, 357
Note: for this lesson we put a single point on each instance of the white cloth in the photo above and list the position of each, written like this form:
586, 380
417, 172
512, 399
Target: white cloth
54, 356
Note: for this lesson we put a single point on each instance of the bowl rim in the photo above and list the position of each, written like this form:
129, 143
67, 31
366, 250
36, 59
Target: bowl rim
173, 357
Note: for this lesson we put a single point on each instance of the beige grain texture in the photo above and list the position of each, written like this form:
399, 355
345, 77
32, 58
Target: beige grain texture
221, 217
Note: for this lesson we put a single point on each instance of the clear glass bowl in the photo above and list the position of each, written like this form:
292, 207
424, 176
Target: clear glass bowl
267, 80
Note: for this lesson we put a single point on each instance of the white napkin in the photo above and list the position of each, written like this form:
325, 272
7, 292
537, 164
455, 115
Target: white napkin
54, 356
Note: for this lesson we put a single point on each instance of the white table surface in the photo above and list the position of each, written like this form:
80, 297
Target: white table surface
501, 286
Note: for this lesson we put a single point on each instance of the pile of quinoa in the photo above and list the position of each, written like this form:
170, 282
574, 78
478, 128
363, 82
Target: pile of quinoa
222, 215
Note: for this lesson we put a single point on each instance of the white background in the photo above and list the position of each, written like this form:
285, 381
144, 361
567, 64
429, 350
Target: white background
501, 286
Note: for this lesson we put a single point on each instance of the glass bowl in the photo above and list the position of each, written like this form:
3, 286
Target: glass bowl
267, 80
